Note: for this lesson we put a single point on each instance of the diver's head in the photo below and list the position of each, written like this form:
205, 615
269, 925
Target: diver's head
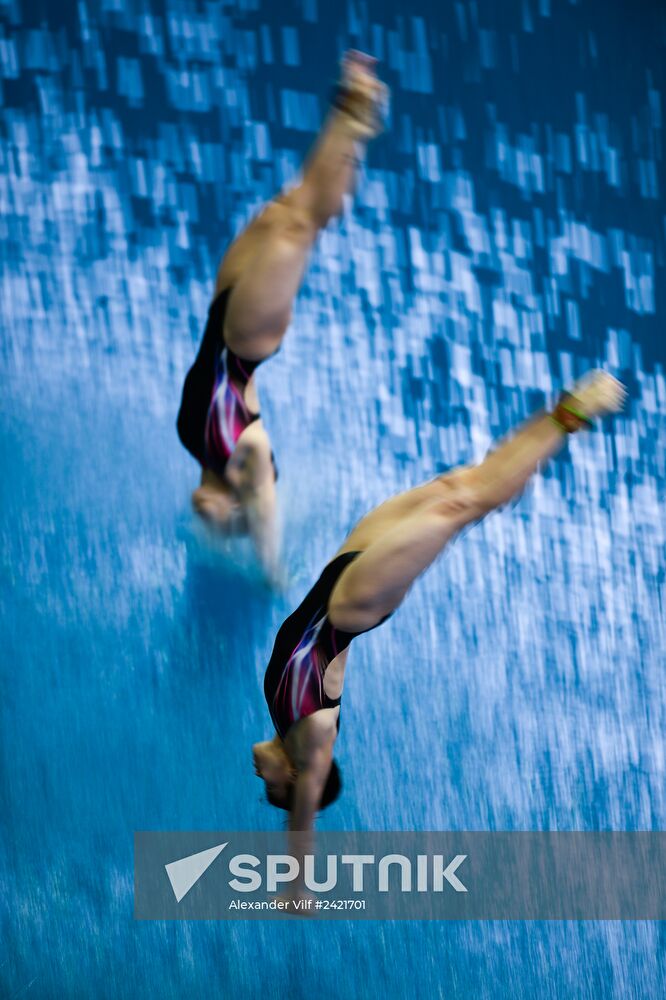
218, 507
273, 764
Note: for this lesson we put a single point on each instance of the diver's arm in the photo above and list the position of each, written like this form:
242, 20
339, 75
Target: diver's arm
308, 788
312, 754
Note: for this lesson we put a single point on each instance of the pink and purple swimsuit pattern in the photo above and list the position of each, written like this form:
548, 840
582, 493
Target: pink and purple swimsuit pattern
213, 413
304, 646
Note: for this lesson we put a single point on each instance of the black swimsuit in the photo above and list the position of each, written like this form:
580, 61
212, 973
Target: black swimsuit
304, 646
213, 413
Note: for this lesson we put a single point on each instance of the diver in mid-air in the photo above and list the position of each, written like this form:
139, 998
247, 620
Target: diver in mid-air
219, 421
368, 579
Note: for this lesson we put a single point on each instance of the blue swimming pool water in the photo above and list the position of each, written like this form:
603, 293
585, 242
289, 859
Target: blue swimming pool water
507, 233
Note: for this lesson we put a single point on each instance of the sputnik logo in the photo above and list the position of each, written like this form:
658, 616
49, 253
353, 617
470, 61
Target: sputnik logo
283, 868
186, 872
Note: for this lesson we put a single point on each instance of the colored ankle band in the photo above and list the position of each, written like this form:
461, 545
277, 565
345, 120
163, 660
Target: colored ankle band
568, 417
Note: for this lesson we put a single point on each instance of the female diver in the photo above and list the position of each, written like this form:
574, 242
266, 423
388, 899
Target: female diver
367, 580
219, 421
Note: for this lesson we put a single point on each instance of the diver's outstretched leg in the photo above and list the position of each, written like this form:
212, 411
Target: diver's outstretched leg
376, 582
265, 265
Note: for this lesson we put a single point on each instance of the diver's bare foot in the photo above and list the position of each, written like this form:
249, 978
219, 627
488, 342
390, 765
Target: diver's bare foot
361, 97
597, 393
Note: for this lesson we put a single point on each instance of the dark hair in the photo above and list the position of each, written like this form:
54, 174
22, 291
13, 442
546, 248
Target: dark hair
332, 789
